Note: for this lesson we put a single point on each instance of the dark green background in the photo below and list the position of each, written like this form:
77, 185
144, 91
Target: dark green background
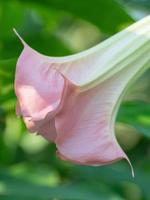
29, 168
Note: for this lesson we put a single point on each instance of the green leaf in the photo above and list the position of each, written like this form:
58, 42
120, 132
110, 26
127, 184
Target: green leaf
8, 65
16, 188
136, 114
108, 15
7, 72
116, 175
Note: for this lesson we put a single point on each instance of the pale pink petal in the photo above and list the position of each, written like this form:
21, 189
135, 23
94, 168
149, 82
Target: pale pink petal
38, 86
48, 130
84, 131
18, 109
45, 127
81, 93
85, 125
93, 66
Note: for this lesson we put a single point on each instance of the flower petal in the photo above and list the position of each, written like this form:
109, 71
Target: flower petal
85, 125
80, 94
45, 127
39, 89
38, 86
91, 67
85, 132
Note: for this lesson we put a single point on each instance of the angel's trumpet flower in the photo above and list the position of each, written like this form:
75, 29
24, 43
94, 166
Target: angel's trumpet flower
73, 100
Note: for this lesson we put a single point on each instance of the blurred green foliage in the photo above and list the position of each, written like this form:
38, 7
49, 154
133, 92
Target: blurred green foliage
29, 168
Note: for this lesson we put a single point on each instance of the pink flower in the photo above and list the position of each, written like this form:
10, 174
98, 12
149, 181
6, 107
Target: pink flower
73, 100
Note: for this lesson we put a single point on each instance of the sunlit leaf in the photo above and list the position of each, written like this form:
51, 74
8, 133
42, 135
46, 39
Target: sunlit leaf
104, 12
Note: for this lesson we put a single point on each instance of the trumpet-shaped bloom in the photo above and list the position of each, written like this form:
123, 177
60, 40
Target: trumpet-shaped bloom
73, 100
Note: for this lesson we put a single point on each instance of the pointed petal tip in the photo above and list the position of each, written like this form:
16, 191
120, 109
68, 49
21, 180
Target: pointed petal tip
131, 167
63, 157
20, 38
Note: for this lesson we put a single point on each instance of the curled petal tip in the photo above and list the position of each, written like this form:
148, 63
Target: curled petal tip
131, 167
20, 38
